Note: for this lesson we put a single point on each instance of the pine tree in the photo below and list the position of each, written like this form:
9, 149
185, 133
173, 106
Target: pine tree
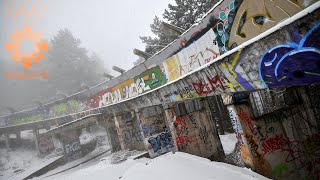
184, 14
70, 64
162, 39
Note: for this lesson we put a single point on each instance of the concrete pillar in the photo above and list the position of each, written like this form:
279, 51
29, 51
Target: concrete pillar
18, 136
45, 144
157, 134
246, 132
7, 141
194, 129
71, 144
36, 138
129, 132
107, 121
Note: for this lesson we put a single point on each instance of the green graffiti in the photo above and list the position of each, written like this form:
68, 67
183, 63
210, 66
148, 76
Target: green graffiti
279, 170
73, 106
27, 119
66, 108
150, 79
60, 109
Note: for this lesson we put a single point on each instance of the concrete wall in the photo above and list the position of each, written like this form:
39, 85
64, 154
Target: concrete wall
71, 144
108, 122
45, 144
157, 135
284, 143
194, 129
129, 132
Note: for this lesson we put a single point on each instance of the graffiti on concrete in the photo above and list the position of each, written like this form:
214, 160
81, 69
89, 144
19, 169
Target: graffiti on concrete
150, 79
161, 143
45, 144
224, 16
253, 17
228, 25
208, 85
131, 136
72, 150
235, 124
292, 63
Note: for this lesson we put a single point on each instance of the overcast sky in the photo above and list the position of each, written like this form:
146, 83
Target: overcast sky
110, 28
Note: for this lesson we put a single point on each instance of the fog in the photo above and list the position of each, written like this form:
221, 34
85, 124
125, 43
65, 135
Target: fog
109, 28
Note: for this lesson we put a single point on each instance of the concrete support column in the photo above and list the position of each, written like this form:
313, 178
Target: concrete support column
45, 144
36, 137
129, 132
157, 134
107, 121
7, 140
18, 136
71, 144
246, 132
194, 129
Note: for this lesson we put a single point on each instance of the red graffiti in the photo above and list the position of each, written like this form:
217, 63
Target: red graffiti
183, 140
181, 126
93, 101
180, 121
215, 81
202, 88
246, 118
276, 143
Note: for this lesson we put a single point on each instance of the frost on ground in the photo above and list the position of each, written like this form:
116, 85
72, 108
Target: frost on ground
169, 166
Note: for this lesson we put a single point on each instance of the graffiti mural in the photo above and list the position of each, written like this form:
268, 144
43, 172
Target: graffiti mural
150, 79
160, 143
292, 63
202, 51
223, 18
228, 25
253, 17
72, 150
278, 144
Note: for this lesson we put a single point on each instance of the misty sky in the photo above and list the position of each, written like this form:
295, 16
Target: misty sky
110, 28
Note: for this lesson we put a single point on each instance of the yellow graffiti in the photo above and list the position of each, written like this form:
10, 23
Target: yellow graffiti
256, 16
234, 62
172, 67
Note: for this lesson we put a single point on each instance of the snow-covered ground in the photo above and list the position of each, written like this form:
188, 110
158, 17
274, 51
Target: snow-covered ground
20, 162
169, 166
228, 142
17, 163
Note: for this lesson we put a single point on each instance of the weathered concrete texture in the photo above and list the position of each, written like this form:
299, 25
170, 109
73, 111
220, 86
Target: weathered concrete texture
108, 122
44, 144
283, 144
71, 144
157, 135
194, 130
129, 132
